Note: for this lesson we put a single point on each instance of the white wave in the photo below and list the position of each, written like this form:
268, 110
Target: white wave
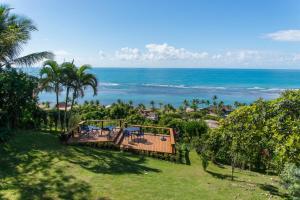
278, 89
182, 86
109, 84
164, 85
256, 88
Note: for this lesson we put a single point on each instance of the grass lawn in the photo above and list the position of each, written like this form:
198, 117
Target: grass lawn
34, 165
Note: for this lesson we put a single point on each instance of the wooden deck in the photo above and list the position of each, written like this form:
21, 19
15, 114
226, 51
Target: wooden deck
149, 142
161, 143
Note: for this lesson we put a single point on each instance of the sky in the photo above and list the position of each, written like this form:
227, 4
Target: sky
166, 33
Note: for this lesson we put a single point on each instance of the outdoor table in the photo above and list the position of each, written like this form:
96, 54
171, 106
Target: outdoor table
109, 129
132, 130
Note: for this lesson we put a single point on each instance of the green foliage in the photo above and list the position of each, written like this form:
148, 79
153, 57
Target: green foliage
15, 31
290, 177
34, 165
204, 161
5, 133
18, 98
194, 129
261, 136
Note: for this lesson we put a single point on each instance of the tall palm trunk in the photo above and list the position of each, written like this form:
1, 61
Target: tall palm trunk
66, 105
72, 104
57, 107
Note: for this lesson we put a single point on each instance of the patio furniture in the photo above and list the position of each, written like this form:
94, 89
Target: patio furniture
130, 131
110, 129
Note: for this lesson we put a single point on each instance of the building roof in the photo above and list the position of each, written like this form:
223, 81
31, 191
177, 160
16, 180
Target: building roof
212, 123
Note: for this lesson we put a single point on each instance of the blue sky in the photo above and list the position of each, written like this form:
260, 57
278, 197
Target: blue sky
167, 33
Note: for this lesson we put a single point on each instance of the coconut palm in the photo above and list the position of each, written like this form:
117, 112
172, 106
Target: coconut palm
152, 103
186, 104
15, 31
51, 77
80, 80
68, 78
160, 105
141, 107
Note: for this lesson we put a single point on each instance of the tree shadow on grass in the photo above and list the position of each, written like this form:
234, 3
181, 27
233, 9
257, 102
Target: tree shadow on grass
220, 176
108, 162
30, 165
273, 190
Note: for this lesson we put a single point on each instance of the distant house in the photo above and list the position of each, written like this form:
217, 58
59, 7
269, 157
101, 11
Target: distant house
212, 123
225, 110
188, 110
61, 106
43, 106
149, 114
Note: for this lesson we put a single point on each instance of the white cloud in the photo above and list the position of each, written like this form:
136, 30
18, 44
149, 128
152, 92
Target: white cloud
165, 51
285, 35
127, 53
156, 52
165, 55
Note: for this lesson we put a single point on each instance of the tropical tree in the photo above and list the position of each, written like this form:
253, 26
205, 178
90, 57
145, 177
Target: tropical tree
186, 103
68, 80
51, 80
15, 31
17, 100
80, 79
194, 104
169, 108
152, 103
160, 105
141, 107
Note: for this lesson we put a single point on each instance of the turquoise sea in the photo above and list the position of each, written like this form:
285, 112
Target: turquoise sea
141, 85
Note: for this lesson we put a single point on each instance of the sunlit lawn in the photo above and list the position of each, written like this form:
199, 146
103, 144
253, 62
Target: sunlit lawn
35, 165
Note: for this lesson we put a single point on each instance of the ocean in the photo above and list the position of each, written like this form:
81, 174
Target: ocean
141, 85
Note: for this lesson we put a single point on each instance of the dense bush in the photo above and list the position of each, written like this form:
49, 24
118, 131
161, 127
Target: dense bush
290, 177
18, 99
261, 136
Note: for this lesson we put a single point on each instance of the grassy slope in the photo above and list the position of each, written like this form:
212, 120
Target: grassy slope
36, 166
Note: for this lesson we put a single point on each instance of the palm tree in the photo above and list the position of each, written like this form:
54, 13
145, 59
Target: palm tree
51, 77
168, 108
207, 103
160, 105
130, 103
152, 103
186, 104
15, 31
80, 81
68, 78
194, 104
141, 107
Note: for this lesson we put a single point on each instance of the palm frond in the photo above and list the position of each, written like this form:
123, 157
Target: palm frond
33, 58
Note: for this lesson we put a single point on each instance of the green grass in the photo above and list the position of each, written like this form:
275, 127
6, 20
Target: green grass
34, 165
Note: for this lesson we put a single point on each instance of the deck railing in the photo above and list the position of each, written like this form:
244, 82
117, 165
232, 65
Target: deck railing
104, 122
156, 130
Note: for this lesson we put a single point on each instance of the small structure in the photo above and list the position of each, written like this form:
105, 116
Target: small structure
188, 110
224, 110
212, 123
62, 105
149, 114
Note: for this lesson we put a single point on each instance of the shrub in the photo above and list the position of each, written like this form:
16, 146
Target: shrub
290, 177
4, 134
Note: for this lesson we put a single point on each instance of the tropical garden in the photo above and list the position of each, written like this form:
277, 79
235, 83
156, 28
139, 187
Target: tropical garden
254, 153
